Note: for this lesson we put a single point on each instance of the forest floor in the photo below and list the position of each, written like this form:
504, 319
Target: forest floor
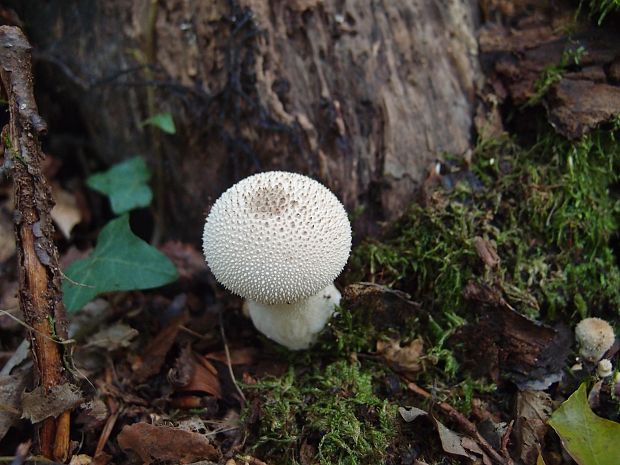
454, 339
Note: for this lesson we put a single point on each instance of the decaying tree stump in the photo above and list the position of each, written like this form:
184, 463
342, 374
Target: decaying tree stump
362, 95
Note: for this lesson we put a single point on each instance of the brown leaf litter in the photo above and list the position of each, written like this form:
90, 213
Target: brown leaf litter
166, 444
193, 373
403, 359
11, 388
154, 355
42, 403
533, 409
451, 442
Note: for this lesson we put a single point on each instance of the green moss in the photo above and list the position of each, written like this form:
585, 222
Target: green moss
550, 212
332, 408
547, 209
349, 332
601, 8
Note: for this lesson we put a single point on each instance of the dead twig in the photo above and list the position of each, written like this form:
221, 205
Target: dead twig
27, 326
40, 296
467, 426
114, 408
107, 430
506, 439
228, 362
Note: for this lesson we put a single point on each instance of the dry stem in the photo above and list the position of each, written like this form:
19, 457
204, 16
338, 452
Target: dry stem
39, 276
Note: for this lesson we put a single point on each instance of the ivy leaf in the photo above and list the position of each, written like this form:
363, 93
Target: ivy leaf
125, 184
588, 438
121, 261
162, 121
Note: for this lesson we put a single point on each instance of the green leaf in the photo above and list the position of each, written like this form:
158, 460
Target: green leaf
120, 262
125, 184
162, 121
588, 438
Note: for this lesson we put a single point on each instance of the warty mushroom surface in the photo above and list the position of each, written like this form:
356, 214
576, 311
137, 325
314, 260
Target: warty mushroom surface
279, 240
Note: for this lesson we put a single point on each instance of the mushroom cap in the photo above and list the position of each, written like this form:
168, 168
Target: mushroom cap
604, 368
277, 238
595, 337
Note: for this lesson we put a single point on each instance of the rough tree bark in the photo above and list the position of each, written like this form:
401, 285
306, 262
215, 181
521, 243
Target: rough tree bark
40, 297
362, 95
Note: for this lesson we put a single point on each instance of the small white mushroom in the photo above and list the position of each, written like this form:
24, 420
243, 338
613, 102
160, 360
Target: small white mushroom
279, 240
595, 337
604, 368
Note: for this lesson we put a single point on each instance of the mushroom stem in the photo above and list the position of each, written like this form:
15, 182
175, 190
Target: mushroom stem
295, 325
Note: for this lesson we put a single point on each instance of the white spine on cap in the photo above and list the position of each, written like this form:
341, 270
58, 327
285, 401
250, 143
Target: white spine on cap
277, 238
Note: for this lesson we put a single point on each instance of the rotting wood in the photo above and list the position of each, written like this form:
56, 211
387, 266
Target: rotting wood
39, 275
569, 67
362, 96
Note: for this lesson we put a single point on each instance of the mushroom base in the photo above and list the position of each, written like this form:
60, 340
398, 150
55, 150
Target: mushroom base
295, 326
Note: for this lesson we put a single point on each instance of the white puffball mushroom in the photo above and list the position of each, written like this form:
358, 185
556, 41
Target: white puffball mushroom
279, 240
604, 368
595, 337
296, 325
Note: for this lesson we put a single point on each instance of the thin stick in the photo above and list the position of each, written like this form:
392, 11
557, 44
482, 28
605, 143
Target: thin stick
30, 458
31, 328
468, 427
40, 297
107, 430
228, 362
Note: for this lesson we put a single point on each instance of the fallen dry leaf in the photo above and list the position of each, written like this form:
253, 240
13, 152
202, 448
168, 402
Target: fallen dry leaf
151, 361
165, 443
404, 359
533, 409
66, 213
411, 413
451, 442
472, 446
92, 415
11, 388
194, 373
486, 251
38, 405
116, 336
89, 320
21, 354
